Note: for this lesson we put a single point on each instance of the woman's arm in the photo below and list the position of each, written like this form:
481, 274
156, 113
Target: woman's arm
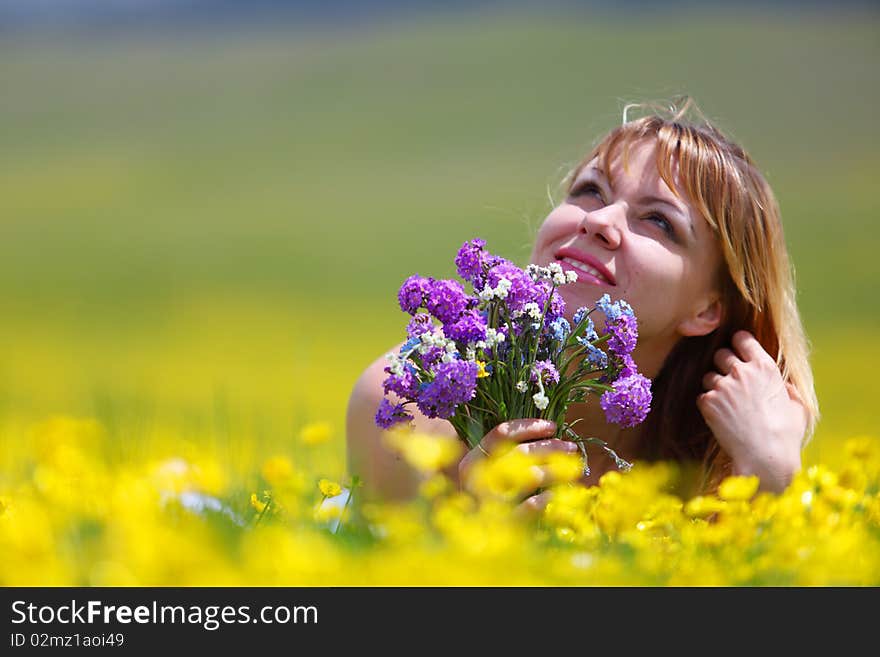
756, 416
385, 474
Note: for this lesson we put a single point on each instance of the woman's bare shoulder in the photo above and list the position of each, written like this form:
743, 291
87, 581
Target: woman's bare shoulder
384, 472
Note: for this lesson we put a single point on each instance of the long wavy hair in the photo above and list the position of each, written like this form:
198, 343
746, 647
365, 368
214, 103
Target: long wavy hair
756, 281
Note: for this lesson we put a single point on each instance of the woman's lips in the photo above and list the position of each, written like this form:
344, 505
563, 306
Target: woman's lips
583, 276
585, 266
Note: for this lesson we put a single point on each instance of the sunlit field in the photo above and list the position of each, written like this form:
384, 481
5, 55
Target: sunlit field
201, 240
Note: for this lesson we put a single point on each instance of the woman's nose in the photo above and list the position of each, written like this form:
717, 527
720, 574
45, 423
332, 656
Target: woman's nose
605, 224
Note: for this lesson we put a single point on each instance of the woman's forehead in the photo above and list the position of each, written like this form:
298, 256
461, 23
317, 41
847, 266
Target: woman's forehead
636, 163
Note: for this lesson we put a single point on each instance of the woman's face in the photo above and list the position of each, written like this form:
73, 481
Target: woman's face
638, 242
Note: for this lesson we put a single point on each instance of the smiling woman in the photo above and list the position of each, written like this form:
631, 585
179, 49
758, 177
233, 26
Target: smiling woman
669, 214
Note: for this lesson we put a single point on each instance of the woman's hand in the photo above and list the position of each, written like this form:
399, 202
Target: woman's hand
532, 437
756, 416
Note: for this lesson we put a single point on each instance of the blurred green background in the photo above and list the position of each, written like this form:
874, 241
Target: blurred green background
205, 229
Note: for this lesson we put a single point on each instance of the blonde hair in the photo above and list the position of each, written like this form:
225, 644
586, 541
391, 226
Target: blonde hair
757, 285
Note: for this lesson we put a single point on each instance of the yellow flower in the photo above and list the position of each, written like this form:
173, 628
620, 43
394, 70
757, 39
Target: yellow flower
565, 467
327, 512
507, 475
329, 488
315, 433
738, 488
257, 504
481, 370
277, 470
701, 507
425, 452
434, 487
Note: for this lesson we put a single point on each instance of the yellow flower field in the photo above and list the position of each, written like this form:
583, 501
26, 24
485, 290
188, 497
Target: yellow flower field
71, 518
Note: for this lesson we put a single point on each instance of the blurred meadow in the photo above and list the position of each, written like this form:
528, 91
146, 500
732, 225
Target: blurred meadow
202, 231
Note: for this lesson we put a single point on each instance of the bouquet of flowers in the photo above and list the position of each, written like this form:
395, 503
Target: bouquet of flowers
506, 352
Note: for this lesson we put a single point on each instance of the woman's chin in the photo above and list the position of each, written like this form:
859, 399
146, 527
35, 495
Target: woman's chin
577, 298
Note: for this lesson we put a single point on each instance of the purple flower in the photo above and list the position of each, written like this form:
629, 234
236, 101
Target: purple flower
523, 289
543, 291
420, 323
628, 404
470, 262
624, 334
390, 414
446, 300
404, 385
431, 357
454, 383
470, 327
628, 366
412, 293
546, 371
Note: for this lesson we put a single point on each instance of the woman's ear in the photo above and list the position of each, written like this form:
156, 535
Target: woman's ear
704, 321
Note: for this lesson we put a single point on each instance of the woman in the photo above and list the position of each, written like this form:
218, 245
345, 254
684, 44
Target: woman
672, 216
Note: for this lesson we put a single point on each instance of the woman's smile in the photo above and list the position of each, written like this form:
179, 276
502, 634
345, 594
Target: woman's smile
587, 267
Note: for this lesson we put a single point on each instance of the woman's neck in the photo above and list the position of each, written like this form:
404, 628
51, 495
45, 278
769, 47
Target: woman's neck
628, 444
625, 442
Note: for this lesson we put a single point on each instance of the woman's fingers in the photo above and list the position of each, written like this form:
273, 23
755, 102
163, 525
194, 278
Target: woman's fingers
725, 360
548, 446
518, 431
711, 380
533, 450
512, 431
534, 505
747, 346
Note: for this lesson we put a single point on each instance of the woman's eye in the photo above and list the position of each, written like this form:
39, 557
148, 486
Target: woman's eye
663, 222
587, 188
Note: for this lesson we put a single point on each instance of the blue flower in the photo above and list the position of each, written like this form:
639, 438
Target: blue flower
595, 356
410, 344
614, 310
560, 329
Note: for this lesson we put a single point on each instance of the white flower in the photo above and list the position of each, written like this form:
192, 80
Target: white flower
522, 386
396, 364
502, 288
555, 270
540, 400
533, 310
536, 273
470, 354
434, 338
486, 294
497, 336
571, 276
